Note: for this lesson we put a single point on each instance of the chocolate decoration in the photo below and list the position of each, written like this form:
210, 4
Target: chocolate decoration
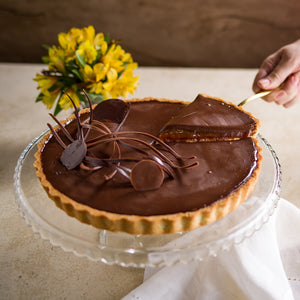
113, 111
146, 175
208, 119
73, 155
223, 168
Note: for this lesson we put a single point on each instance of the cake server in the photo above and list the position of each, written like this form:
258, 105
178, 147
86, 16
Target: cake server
256, 96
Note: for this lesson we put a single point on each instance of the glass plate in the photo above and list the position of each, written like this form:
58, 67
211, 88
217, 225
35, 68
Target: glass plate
124, 249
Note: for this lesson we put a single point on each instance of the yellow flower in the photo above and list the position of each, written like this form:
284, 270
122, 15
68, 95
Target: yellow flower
96, 87
94, 77
70, 41
88, 33
56, 59
45, 82
112, 74
64, 101
49, 98
116, 58
66, 41
84, 59
87, 51
100, 43
130, 67
68, 45
88, 74
100, 71
76, 35
120, 87
128, 82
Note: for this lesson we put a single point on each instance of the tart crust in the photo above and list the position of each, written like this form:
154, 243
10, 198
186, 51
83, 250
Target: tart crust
154, 225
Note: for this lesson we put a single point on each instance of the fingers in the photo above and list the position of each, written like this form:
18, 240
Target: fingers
277, 67
266, 68
289, 94
278, 75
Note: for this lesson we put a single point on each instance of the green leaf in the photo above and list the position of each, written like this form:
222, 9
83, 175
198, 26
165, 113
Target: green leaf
57, 109
81, 97
106, 38
99, 55
95, 98
80, 59
98, 99
46, 47
71, 65
45, 59
39, 97
77, 74
52, 88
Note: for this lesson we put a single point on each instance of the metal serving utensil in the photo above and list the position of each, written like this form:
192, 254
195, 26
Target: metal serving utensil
255, 96
258, 95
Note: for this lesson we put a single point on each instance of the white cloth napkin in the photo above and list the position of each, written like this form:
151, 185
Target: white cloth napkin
264, 266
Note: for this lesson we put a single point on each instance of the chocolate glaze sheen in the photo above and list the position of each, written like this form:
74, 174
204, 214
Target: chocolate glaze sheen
223, 168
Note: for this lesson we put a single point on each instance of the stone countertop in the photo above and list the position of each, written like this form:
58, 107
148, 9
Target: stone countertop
32, 268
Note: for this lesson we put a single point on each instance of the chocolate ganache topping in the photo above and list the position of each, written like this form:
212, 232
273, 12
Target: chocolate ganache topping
102, 129
130, 172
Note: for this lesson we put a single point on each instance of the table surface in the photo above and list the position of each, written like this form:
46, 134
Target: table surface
33, 268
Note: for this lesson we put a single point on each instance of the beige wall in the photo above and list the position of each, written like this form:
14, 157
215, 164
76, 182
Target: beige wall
211, 33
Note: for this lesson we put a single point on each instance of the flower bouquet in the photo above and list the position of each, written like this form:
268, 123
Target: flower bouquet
86, 61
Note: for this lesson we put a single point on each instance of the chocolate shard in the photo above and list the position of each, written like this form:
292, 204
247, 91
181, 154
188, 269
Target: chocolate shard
73, 155
113, 111
146, 175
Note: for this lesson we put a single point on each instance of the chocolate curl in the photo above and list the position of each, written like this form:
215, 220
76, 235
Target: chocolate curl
91, 112
110, 176
101, 131
152, 137
113, 163
62, 128
109, 138
90, 105
79, 128
58, 139
96, 128
165, 166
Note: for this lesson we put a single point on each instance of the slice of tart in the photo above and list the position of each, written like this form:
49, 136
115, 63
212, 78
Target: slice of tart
209, 119
123, 178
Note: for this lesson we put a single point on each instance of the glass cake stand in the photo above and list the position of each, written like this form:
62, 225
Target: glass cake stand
123, 249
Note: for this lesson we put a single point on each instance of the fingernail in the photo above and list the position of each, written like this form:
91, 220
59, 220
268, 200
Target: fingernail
265, 82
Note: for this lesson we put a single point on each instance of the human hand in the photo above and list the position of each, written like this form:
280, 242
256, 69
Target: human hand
281, 66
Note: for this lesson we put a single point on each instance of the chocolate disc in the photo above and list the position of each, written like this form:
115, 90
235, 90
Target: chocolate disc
73, 154
146, 175
112, 110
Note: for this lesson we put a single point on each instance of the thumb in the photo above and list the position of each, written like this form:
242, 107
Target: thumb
277, 76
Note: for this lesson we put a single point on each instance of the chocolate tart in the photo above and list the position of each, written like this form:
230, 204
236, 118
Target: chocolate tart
204, 181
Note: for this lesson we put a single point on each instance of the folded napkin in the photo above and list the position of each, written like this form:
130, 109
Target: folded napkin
264, 266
